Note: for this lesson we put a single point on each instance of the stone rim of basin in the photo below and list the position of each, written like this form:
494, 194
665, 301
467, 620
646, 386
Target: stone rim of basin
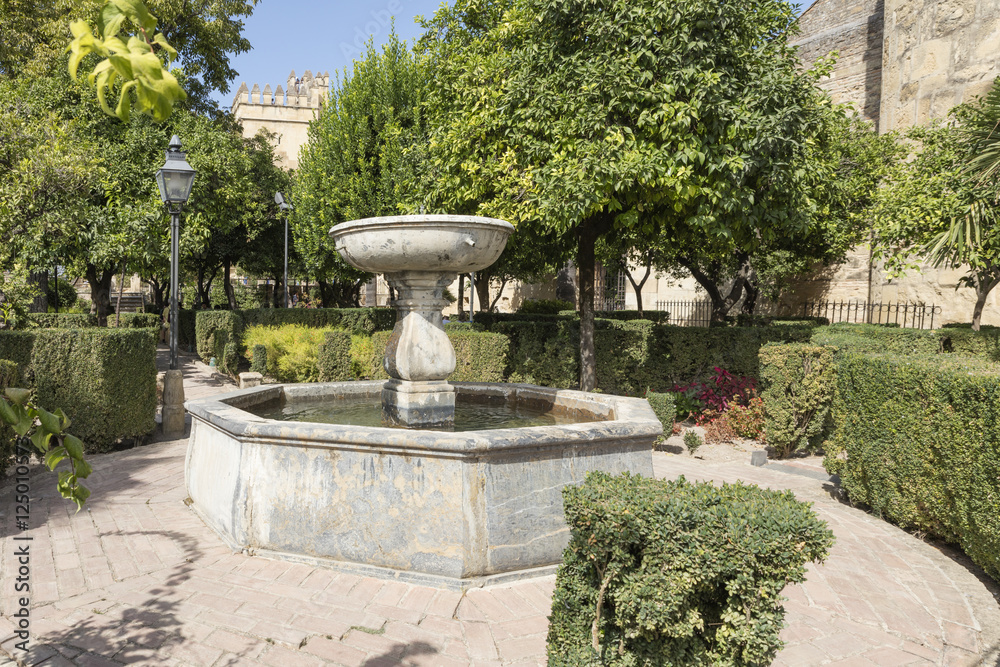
628, 417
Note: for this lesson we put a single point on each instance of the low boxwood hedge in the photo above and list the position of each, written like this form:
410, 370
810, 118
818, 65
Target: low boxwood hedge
85, 321
676, 573
334, 359
918, 440
798, 382
104, 379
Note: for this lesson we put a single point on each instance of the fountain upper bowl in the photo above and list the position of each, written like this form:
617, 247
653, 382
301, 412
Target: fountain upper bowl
445, 243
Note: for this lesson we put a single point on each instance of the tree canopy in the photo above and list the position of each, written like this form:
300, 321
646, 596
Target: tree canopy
689, 119
363, 152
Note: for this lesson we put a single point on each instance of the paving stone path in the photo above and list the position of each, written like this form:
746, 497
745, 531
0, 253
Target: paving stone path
137, 578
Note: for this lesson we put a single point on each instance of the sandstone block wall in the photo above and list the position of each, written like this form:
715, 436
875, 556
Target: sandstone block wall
852, 28
937, 54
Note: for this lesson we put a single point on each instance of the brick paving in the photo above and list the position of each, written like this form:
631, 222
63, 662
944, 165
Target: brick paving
137, 578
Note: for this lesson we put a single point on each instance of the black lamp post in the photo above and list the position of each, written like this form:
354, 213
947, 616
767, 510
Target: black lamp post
285, 207
175, 179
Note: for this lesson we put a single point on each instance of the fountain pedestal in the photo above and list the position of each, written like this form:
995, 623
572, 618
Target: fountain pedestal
420, 256
419, 357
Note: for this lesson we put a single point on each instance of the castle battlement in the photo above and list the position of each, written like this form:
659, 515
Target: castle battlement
307, 91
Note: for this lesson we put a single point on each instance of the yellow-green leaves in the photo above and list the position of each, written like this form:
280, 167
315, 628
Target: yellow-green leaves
131, 67
47, 433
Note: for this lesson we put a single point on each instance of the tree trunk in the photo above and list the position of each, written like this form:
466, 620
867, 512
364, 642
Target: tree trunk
158, 292
40, 279
709, 280
227, 284
586, 235
984, 284
638, 287
118, 305
100, 292
493, 304
461, 296
483, 290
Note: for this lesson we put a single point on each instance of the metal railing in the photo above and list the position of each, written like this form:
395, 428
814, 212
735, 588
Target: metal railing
907, 315
694, 313
698, 312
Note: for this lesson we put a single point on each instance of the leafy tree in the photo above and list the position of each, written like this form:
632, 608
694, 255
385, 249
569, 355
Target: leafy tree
937, 206
362, 153
590, 118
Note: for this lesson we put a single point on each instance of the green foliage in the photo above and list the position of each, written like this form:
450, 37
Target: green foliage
479, 356
104, 379
663, 408
258, 359
359, 161
67, 294
918, 441
135, 63
10, 376
214, 329
635, 355
334, 359
692, 441
292, 350
47, 433
84, 321
16, 294
798, 382
676, 573
890, 340
543, 352
544, 307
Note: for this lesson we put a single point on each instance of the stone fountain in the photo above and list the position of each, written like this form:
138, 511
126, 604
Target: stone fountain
447, 508
420, 256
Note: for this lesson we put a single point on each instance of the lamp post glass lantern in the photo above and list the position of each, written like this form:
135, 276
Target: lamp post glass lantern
175, 179
279, 199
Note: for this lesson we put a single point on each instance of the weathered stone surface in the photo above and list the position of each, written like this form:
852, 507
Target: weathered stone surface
248, 380
173, 404
452, 509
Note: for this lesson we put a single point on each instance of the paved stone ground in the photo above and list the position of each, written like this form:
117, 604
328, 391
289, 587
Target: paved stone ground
137, 578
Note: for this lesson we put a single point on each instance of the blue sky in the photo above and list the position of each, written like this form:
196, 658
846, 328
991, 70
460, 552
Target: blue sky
319, 36
305, 35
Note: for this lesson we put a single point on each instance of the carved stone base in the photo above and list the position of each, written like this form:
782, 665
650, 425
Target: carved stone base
418, 404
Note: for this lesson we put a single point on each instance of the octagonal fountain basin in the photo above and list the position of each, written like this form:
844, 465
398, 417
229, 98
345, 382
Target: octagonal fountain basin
447, 508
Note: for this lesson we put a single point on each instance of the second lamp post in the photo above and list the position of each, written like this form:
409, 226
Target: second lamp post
285, 207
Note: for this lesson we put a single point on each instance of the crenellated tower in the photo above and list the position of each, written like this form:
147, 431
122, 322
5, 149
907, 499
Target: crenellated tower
286, 112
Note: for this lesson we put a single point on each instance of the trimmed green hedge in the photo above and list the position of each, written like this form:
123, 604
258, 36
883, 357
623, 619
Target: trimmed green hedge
85, 321
798, 382
334, 359
104, 379
637, 355
676, 573
664, 408
918, 440
889, 340
215, 329
479, 356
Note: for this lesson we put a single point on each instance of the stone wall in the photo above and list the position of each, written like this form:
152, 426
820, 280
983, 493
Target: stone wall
852, 28
937, 54
287, 113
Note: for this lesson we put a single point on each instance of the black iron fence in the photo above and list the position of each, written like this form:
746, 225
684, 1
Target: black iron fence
698, 312
907, 315
695, 313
